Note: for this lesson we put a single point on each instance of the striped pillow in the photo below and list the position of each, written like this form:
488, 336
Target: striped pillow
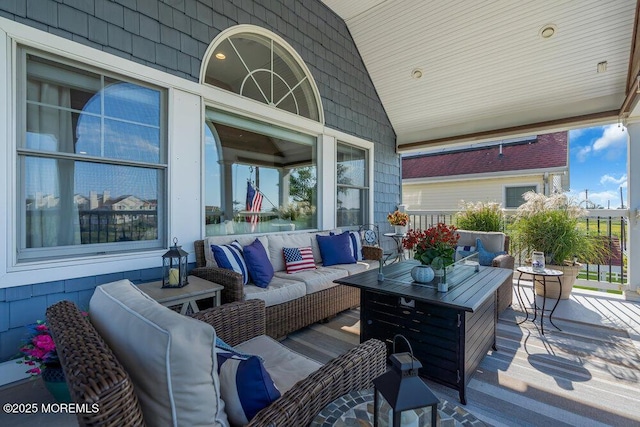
298, 259
230, 257
356, 243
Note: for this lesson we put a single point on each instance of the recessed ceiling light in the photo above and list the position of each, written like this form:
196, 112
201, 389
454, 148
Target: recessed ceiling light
547, 31
221, 55
602, 67
416, 73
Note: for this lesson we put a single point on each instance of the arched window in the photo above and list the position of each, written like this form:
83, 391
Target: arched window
255, 63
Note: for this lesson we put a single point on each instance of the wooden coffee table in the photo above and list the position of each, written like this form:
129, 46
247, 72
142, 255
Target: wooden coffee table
184, 299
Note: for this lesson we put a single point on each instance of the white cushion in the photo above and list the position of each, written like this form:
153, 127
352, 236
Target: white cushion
316, 280
358, 267
169, 357
244, 240
279, 241
279, 290
285, 366
493, 241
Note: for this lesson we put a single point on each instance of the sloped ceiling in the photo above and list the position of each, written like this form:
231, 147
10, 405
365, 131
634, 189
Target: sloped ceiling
486, 70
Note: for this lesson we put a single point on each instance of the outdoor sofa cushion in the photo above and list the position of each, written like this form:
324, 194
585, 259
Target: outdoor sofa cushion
280, 290
336, 249
315, 280
258, 264
170, 357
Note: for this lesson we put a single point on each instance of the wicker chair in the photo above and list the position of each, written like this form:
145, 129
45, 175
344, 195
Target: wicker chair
94, 375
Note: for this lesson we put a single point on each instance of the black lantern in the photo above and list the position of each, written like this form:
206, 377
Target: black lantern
174, 267
400, 396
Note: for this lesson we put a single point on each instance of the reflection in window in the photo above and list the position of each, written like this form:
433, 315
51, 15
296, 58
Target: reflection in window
353, 186
90, 162
242, 157
258, 67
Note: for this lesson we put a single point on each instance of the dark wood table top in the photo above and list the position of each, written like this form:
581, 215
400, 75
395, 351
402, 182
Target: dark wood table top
466, 295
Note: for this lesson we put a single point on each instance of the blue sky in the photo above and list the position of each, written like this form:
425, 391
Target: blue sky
598, 162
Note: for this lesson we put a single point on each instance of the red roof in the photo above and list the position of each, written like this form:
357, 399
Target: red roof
541, 152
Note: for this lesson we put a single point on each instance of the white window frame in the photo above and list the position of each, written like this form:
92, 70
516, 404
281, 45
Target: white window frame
504, 192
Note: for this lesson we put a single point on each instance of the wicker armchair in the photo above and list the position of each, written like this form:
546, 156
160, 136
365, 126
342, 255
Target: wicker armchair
94, 375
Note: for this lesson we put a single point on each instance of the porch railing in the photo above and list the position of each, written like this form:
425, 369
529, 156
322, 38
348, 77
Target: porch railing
608, 223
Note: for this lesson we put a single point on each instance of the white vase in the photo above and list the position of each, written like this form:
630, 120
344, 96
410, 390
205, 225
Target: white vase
400, 229
422, 273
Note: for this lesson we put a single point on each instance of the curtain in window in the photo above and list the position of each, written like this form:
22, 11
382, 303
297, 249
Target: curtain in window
54, 215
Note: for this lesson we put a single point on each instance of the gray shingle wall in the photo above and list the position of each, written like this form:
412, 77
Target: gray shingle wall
172, 36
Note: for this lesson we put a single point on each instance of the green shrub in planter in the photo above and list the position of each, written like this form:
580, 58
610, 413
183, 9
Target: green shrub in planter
551, 224
480, 216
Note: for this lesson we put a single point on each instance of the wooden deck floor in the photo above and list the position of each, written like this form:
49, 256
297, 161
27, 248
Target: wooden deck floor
588, 374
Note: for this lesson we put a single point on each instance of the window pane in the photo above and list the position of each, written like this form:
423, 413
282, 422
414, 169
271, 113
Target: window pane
514, 195
352, 166
255, 66
71, 203
352, 207
274, 162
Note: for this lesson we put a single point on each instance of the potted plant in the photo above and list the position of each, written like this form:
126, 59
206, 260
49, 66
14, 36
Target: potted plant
399, 220
551, 224
434, 247
40, 355
480, 216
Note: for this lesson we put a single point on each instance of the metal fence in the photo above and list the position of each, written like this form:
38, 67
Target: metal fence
608, 223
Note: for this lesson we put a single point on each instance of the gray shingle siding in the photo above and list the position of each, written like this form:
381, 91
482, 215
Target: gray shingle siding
172, 36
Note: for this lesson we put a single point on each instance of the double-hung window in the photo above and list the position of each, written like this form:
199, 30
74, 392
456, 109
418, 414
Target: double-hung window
352, 170
91, 161
513, 195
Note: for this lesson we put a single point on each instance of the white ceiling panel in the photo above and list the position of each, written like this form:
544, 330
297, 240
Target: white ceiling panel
485, 65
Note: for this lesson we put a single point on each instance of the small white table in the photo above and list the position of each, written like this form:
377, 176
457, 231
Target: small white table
184, 299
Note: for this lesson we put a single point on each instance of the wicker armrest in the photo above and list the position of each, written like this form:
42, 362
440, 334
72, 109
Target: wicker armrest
504, 261
229, 279
236, 322
372, 252
93, 373
354, 370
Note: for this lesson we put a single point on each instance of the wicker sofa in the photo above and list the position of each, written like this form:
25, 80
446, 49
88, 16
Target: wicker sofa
96, 373
318, 296
494, 242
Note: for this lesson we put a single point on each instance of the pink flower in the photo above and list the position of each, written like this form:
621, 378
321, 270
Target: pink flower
45, 342
34, 371
42, 327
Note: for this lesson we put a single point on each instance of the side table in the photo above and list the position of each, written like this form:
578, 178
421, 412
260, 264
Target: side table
356, 409
184, 299
543, 274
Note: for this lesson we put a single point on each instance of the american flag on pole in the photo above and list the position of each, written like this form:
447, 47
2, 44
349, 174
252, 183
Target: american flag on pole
254, 204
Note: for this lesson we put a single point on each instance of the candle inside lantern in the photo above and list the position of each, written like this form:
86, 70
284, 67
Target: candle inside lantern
174, 276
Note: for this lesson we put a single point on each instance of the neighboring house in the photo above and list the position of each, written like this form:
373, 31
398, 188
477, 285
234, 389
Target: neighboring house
494, 172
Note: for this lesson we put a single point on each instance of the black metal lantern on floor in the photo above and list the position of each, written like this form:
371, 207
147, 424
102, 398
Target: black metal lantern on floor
174, 267
400, 396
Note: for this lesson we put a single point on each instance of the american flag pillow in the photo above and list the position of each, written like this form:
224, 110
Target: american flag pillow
298, 259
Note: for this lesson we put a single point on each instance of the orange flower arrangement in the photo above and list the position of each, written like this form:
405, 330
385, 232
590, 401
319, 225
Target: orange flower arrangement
398, 218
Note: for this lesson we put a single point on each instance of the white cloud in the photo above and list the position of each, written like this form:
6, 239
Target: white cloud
608, 179
612, 137
583, 153
606, 199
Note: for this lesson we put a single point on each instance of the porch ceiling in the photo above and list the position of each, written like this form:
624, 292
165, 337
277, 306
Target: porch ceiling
487, 72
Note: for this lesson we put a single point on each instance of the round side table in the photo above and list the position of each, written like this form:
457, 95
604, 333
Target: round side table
543, 274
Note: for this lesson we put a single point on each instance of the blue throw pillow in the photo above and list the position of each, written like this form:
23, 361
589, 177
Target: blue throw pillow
336, 249
484, 256
258, 264
356, 243
245, 385
464, 251
230, 257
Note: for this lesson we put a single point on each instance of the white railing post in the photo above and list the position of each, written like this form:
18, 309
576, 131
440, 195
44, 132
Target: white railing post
633, 202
